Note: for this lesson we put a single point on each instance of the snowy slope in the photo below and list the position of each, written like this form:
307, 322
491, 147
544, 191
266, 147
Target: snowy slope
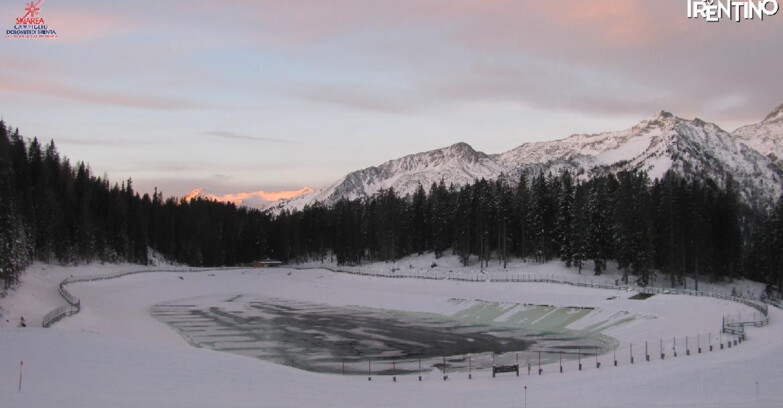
457, 164
115, 354
766, 136
693, 148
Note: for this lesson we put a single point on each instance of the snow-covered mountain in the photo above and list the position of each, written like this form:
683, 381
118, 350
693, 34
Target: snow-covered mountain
254, 199
766, 136
459, 164
693, 148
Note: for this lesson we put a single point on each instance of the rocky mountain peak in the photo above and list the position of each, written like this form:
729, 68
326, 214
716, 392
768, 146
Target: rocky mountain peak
775, 116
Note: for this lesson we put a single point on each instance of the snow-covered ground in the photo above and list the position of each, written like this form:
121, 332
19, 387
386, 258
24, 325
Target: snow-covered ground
114, 353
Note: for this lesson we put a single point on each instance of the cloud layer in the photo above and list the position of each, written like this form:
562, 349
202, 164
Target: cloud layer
348, 83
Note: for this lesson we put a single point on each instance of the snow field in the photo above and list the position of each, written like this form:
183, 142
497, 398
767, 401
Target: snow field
114, 353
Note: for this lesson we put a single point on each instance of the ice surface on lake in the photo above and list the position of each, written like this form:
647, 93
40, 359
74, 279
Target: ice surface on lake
327, 338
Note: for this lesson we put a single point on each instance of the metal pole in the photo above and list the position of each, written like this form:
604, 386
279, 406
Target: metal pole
394, 370
597, 364
21, 366
526, 396
445, 377
369, 370
343, 366
579, 350
470, 368
561, 361
539, 364
419, 369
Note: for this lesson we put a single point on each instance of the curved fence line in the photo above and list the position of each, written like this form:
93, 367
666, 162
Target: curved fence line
543, 361
732, 326
74, 304
729, 325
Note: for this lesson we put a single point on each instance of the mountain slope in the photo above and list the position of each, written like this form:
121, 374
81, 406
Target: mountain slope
766, 137
253, 199
458, 164
693, 148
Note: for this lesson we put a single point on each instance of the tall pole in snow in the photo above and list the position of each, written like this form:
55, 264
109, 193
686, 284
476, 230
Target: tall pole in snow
445, 377
21, 365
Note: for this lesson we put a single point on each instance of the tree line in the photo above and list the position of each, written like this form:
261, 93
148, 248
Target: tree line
55, 211
681, 227
51, 210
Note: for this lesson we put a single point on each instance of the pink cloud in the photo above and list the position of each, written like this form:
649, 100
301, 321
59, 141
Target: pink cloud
91, 96
74, 26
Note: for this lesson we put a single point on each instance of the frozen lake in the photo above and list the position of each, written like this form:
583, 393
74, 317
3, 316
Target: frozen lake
335, 339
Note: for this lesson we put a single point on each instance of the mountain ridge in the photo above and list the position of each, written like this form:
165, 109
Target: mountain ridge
693, 148
766, 137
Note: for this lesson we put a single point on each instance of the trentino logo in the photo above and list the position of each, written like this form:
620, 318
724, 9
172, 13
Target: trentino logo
737, 10
31, 25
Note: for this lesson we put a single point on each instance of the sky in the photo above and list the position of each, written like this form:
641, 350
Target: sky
276, 95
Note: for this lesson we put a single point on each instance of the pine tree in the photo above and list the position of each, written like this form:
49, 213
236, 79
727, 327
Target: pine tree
13, 243
522, 218
599, 226
579, 226
564, 225
441, 217
420, 221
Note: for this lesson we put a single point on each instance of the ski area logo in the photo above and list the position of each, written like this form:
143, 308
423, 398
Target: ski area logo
714, 11
31, 25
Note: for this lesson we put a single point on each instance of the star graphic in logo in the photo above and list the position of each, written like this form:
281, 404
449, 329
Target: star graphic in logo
32, 9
